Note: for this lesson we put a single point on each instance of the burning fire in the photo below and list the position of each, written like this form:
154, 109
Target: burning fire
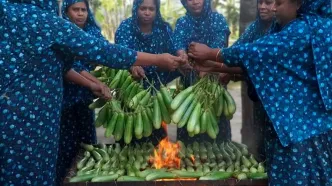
166, 155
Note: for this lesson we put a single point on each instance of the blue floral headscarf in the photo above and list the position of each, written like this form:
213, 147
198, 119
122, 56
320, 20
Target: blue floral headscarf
209, 28
255, 30
91, 26
158, 41
316, 7
129, 34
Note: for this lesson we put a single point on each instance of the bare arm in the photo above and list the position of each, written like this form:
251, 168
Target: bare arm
96, 88
76, 78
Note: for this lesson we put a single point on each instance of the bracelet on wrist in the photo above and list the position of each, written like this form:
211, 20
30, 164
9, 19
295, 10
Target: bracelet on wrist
218, 55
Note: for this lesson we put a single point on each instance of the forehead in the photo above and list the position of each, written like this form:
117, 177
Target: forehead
148, 3
78, 5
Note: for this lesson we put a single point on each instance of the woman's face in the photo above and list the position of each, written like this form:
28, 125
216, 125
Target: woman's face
195, 7
147, 12
265, 9
286, 11
78, 14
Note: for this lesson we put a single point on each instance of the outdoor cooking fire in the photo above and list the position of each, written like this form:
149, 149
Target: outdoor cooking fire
166, 155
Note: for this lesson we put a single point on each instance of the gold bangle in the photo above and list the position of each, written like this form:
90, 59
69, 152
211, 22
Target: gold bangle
217, 55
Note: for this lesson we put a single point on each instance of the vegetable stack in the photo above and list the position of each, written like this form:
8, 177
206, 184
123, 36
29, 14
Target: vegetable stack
136, 112
133, 111
203, 161
200, 106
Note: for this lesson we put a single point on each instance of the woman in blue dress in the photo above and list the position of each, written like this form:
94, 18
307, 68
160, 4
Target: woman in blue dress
33, 42
202, 25
256, 30
77, 120
290, 71
146, 31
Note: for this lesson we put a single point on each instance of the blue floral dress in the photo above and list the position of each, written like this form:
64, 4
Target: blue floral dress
77, 120
33, 42
255, 31
209, 28
290, 71
157, 42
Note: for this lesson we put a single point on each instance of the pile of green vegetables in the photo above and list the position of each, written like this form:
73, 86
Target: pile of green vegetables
202, 161
136, 112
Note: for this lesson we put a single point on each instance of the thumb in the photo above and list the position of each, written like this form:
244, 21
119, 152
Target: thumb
193, 43
141, 72
191, 55
179, 60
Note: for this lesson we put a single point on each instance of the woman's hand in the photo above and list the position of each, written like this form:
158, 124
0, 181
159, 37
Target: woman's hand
202, 52
137, 72
101, 90
208, 66
183, 55
169, 62
225, 78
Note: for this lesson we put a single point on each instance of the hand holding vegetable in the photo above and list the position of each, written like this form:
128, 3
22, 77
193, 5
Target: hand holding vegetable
101, 91
137, 72
225, 78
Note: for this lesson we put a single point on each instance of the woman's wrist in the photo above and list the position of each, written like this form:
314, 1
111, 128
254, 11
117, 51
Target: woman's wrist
214, 54
157, 59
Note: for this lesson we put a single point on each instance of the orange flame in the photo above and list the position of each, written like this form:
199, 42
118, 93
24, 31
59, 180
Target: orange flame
166, 155
164, 126
192, 158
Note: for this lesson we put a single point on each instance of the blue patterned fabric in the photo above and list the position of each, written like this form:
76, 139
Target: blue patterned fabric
32, 45
77, 120
209, 28
77, 125
255, 31
294, 55
74, 93
158, 41
289, 69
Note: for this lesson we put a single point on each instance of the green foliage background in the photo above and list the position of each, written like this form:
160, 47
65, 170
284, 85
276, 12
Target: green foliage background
110, 13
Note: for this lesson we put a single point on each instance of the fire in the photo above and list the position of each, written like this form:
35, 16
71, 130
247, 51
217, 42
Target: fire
164, 126
192, 158
166, 155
